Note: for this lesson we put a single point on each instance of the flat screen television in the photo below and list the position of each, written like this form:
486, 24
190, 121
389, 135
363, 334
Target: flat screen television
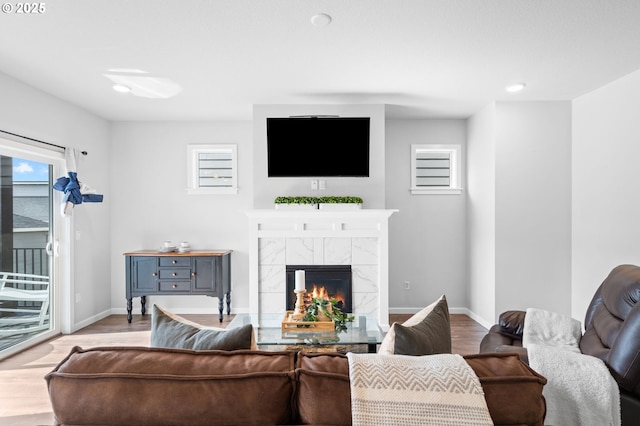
318, 147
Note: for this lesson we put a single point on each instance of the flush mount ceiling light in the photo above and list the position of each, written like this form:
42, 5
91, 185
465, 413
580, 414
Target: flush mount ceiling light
321, 20
515, 87
139, 83
121, 88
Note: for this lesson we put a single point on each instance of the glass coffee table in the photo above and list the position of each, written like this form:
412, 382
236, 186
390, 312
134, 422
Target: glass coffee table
363, 331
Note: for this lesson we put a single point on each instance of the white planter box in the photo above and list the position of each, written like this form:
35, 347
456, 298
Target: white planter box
339, 206
296, 206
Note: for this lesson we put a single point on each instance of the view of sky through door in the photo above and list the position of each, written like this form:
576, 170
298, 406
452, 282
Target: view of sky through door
29, 171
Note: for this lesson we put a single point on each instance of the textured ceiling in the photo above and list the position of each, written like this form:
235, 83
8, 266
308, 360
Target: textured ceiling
423, 58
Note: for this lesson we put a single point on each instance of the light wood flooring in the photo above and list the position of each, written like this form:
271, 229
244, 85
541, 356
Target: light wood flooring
23, 393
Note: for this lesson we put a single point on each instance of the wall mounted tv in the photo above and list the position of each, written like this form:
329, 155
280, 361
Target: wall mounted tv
318, 147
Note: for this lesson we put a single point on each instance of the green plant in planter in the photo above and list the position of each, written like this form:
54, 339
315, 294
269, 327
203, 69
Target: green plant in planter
315, 200
319, 306
340, 200
296, 200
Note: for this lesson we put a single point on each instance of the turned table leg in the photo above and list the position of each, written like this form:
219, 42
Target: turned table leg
129, 308
143, 301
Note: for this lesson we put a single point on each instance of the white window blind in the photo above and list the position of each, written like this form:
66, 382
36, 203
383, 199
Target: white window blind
212, 169
215, 170
435, 169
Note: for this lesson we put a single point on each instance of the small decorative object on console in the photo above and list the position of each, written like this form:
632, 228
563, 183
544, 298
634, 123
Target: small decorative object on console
167, 247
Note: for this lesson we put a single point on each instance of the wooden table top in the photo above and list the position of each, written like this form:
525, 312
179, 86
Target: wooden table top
190, 253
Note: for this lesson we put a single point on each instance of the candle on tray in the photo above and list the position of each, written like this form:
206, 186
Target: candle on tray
300, 280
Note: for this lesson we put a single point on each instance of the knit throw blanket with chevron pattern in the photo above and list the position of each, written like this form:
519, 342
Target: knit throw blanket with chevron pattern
409, 390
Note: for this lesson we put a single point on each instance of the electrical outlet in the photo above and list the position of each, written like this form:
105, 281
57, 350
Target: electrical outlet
406, 285
314, 184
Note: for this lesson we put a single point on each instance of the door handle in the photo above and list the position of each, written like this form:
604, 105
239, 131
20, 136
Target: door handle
52, 248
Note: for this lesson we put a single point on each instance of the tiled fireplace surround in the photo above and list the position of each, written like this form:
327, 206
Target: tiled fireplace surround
314, 237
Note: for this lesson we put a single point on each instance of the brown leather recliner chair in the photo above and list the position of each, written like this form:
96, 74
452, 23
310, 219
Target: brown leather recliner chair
612, 333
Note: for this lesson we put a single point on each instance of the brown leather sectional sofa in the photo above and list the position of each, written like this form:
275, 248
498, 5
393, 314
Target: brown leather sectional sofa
155, 386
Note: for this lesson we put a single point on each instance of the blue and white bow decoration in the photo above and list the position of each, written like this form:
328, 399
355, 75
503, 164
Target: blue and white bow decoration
75, 192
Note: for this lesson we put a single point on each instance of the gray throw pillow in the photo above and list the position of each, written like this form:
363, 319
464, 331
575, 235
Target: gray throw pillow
426, 333
172, 331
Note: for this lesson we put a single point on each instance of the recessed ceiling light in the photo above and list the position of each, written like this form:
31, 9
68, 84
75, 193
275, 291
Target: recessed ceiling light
515, 87
121, 88
144, 85
321, 20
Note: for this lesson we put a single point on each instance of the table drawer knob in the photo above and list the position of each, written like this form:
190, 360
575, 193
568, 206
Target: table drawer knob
174, 274
154, 274
174, 261
174, 286
193, 274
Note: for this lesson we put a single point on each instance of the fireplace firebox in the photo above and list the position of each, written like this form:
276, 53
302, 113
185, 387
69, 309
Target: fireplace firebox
327, 281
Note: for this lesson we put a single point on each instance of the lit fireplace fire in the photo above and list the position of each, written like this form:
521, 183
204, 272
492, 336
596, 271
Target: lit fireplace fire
320, 292
322, 282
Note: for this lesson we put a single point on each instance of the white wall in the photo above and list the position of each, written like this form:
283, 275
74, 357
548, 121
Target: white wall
606, 205
523, 149
427, 237
481, 223
371, 189
533, 206
35, 114
151, 204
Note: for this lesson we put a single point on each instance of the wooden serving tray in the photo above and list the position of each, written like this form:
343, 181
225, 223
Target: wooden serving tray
288, 324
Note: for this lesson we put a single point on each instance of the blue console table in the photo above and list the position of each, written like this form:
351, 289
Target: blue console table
198, 272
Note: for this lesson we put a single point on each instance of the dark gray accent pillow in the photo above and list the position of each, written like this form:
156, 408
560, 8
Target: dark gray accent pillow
172, 331
430, 336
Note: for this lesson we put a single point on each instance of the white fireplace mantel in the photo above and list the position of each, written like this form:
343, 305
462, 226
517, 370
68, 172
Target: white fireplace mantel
359, 238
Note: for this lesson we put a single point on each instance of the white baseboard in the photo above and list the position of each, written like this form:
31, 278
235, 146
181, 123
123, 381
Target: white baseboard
183, 311
477, 318
84, 323
452, 310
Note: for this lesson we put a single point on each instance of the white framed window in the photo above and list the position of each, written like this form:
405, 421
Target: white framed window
436, 169
212, 169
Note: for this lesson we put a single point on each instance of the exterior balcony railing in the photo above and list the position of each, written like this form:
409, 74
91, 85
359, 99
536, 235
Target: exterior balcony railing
30, 261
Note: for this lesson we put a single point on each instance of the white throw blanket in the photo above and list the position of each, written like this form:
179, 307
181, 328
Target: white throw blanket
580, 390
415, 390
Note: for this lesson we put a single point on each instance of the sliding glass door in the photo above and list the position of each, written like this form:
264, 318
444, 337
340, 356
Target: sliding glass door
28, 245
